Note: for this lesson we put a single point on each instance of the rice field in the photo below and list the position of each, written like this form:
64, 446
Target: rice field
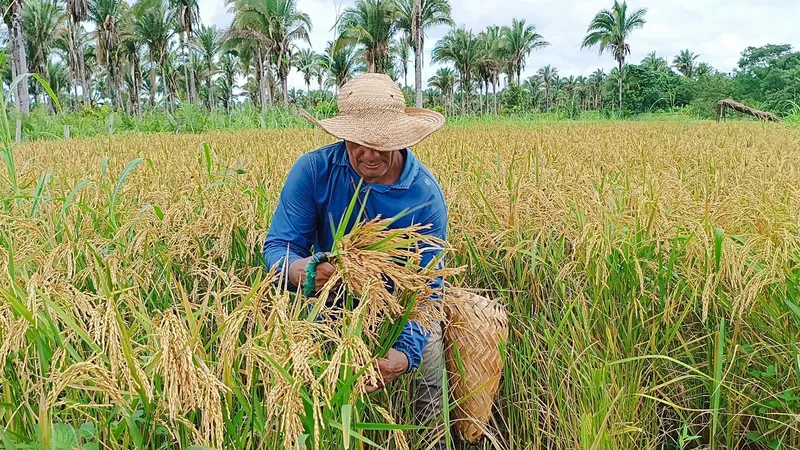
651, 272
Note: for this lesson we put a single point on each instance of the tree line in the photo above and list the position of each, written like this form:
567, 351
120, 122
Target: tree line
157, 55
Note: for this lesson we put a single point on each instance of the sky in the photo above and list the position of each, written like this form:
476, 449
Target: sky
717, 30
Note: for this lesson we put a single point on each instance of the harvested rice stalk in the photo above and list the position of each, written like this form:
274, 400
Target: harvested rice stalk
380, 267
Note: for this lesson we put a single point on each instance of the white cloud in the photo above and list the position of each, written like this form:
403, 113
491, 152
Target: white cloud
718, 30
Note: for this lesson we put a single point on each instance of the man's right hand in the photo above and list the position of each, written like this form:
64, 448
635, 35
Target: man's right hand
297, 273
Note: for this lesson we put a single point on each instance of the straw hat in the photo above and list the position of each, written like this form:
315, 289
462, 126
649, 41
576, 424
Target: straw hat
373, 114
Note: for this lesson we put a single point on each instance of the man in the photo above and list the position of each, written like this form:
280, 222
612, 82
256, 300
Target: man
376, 131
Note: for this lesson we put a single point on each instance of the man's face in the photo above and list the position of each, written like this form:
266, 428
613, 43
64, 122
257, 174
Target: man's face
370, 164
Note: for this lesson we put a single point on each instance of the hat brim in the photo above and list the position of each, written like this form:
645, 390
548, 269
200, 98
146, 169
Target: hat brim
382, 130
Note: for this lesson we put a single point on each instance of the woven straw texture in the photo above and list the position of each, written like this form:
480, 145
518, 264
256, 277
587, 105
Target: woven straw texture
476, 329
373, 114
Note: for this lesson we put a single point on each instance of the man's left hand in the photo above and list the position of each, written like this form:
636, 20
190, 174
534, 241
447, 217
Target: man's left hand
394, 365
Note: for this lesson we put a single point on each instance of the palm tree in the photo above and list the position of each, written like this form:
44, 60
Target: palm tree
306, 61
187, 15
12, 16
371, 23
483, 70
131, 50
534, 87
445, 82
207, 44
580, 91
611, 29
430, 95
77, 12
429, 13
520, 40
557, 87
229, 68
319, 71
703, 70
249, 36
107, 15
41, 23
276, 24
399, 49
656, 63
685, 63
596, 82
170, 75
495, 57
342, 64
58, 77
461, 48
154, 26
416, 37
548, 75
569, 86
288, 25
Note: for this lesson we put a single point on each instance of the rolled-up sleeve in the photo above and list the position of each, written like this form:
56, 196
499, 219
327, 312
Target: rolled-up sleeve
293, 227
413, 339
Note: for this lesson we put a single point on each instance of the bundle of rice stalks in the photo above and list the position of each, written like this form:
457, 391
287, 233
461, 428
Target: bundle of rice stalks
380, 268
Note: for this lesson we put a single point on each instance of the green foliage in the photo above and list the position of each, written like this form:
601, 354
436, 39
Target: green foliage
709, 90
769, 78
185, 119
515, 100
647, 89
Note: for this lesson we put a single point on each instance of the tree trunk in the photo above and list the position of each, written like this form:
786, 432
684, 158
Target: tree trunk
192, 84
20, 57
620, 85
480, 96
282, 78
463, 98
486, 89
182, 37
211, 100
285, 89
14, 71
118, 89
417, 29
139, 80
494, 95
546, 98
76, 59
262, 88
153, 81
85, 82
270, 80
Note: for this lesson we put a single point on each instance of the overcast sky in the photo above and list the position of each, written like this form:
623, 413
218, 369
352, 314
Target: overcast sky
718, 30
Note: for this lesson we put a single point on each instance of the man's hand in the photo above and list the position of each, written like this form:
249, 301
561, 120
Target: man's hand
395, 364
297, 273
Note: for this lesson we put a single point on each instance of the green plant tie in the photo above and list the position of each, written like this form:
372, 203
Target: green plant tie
310, 286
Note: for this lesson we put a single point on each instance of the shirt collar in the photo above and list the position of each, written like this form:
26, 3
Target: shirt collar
410, 169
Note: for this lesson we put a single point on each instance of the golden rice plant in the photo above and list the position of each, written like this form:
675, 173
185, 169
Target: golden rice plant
651, 271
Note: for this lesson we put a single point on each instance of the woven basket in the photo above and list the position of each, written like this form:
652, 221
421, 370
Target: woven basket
476, 329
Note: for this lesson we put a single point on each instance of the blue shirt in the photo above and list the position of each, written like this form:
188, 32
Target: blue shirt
318, 190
